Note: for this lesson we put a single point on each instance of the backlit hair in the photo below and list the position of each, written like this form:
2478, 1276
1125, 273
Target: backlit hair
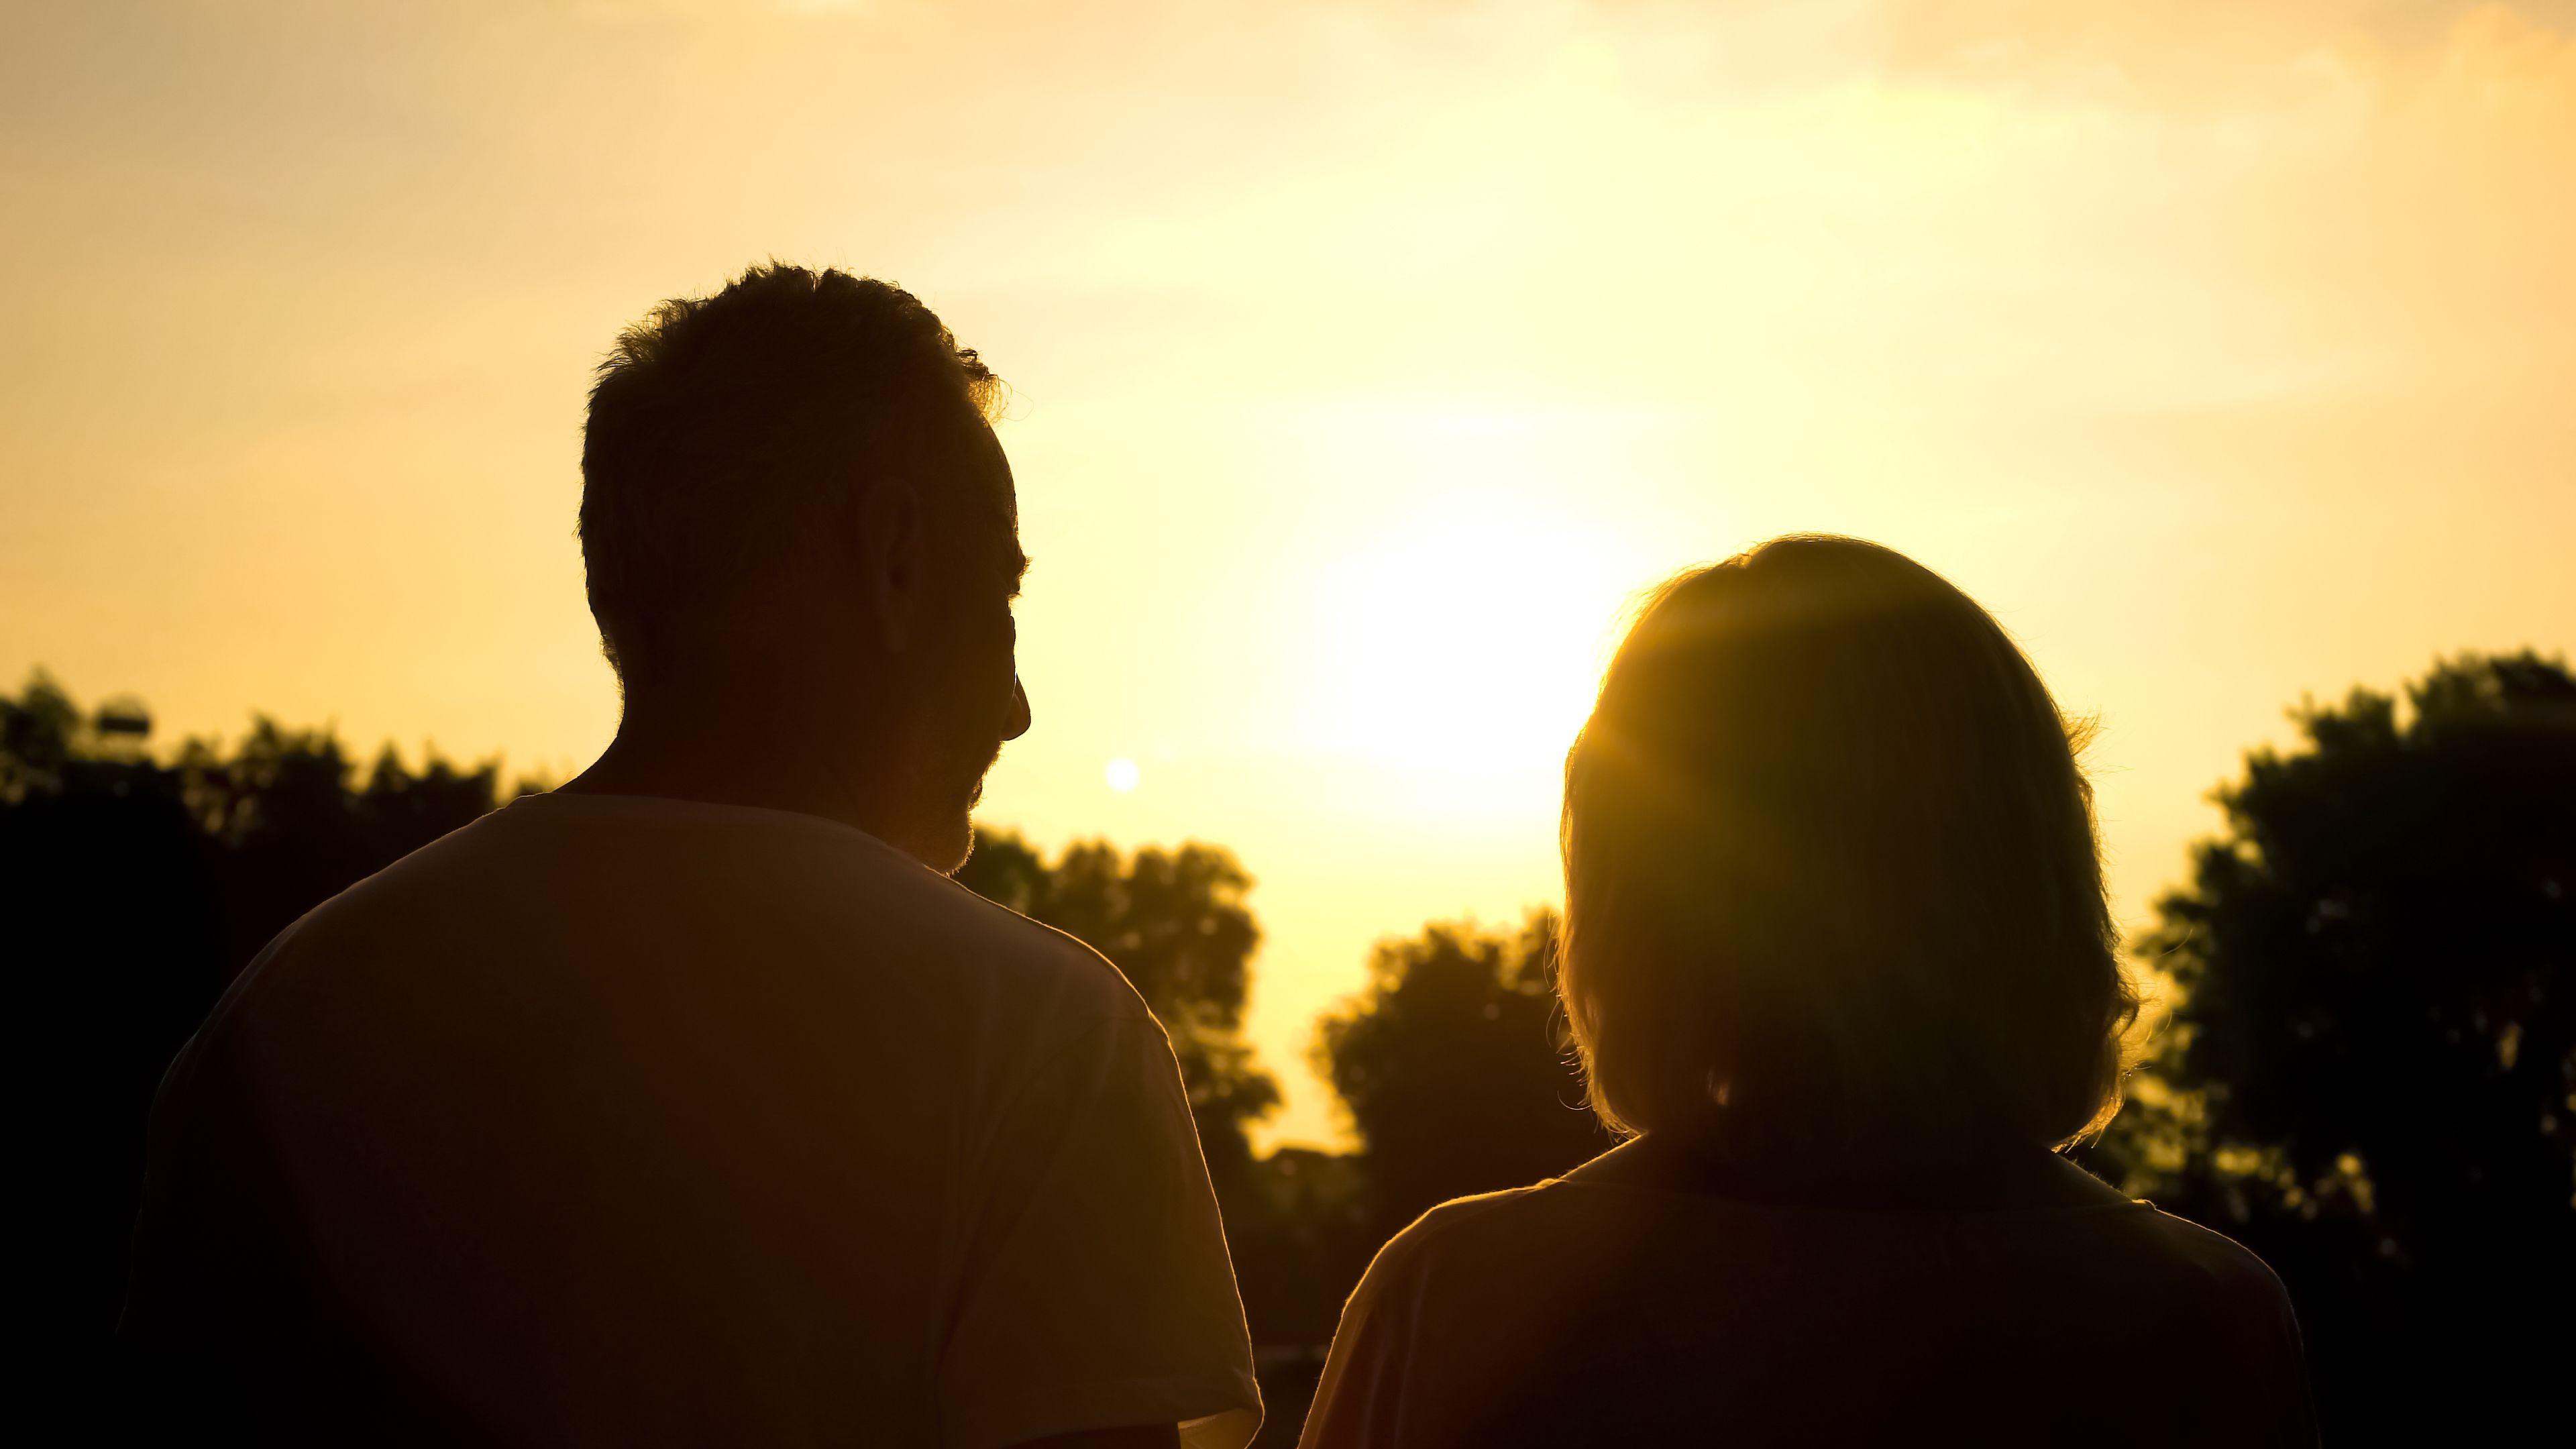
1833, 889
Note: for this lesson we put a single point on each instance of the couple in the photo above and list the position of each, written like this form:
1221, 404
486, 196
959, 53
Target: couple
692, 1103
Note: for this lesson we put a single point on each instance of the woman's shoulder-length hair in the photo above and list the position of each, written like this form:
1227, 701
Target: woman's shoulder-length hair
1833, 888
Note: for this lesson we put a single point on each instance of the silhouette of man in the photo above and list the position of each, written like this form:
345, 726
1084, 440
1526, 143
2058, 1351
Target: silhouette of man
692, 1103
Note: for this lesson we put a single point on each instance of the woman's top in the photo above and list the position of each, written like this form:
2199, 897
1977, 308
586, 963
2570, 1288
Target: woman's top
1641, 1300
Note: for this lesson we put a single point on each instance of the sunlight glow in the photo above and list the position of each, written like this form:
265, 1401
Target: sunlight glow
1470, 644
1122, 775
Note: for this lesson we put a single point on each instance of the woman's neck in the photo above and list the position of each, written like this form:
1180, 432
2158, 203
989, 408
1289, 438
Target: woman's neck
2031, 1177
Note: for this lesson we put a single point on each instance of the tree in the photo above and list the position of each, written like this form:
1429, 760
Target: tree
2371, 1072
133, 891
1454, 1072
40, 732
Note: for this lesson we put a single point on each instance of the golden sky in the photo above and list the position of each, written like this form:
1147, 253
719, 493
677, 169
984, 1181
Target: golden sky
1368, 357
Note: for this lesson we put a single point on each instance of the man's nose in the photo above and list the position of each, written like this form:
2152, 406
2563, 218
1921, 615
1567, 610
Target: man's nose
1019, 722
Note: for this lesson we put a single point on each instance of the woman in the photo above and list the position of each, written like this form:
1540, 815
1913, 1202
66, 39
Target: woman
1838, 960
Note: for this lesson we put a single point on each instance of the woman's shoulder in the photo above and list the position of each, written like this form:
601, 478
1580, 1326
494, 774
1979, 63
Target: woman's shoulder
2076, 1225
1470, 1233
1457, 1220
2229, 1269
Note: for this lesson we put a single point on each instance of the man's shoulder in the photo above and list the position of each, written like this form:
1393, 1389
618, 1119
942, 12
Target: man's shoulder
372, 905
552, 874
1027, 952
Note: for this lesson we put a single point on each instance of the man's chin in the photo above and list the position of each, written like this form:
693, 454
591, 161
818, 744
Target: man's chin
947, 853
946, 848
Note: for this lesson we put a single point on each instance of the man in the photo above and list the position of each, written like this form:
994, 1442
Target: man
692, 1103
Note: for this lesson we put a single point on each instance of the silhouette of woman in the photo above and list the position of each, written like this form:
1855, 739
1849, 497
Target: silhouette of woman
1839, 961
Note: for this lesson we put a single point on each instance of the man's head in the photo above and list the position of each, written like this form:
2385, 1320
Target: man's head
795, 481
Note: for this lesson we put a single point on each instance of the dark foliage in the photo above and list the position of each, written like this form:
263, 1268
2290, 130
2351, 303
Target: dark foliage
1454, 1072
2371, 1075
133, 891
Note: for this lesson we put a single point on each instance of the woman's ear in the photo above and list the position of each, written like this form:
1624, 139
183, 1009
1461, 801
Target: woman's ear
893, 560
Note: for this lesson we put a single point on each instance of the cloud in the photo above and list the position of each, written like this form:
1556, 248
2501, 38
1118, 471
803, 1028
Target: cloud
2190, 53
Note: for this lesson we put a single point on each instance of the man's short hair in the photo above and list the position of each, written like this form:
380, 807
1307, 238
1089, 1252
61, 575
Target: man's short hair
729, 436
1834, 898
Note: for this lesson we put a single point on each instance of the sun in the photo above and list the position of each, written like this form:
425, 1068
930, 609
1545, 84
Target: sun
1471, 641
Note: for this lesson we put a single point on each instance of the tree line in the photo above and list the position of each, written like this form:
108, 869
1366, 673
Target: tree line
2366, 1068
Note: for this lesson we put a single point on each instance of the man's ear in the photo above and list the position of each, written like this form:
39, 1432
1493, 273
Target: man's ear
894, 558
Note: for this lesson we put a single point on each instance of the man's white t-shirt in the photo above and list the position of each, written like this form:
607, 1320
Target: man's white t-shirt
614, 1120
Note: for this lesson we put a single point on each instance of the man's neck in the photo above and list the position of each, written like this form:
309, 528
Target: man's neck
723, 761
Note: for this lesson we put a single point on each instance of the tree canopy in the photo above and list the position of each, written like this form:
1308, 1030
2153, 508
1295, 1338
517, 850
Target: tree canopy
2371, 1069
135, 889
1453, 1069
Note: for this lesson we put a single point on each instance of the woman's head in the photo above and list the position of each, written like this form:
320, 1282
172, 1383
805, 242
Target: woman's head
1833, 892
